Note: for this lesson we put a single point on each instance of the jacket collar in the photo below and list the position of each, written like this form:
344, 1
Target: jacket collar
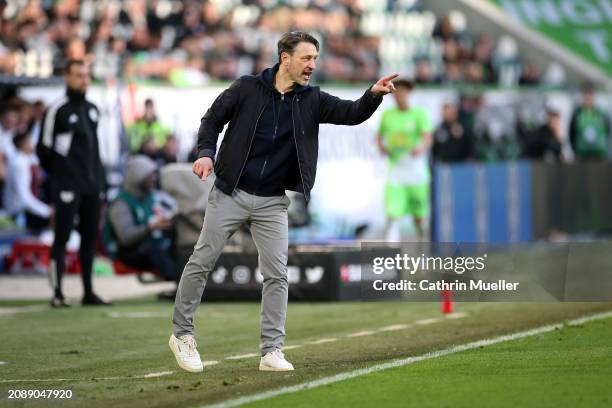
266, 77
75, 95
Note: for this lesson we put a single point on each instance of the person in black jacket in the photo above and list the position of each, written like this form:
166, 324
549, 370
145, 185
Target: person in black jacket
270, 146
68, 151
545, 142
452, 142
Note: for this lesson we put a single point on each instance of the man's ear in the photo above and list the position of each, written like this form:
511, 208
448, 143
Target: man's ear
285, 59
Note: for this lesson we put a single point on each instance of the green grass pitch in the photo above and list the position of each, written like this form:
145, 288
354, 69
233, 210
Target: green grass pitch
569, 367
103, 355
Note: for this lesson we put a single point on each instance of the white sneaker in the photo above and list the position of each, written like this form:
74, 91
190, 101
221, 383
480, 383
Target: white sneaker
275, 361
186, 353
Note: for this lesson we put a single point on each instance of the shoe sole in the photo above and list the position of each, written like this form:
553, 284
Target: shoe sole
179, 362
263, 367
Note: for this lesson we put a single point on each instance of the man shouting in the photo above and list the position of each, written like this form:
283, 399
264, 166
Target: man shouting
270, 146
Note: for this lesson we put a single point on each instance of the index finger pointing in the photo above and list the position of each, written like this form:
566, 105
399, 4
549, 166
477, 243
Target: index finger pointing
389, 77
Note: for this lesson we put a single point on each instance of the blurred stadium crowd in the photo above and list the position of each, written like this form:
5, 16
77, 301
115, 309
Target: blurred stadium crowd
192, 42
466, 133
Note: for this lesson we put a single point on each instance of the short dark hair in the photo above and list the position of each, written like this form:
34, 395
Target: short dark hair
19, 138
404, 83
290, 40
9, 107
72, 63
587, 87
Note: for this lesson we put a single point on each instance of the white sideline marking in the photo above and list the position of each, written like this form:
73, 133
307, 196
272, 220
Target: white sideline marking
209, 363
159, 374
292, 347
402, 362
9, 311
3, 363
457, 315
240, 356
360, 334
137, 315
394, 327
428, 321
321, 341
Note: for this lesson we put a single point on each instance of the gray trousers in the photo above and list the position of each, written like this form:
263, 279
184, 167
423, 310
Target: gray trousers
267, 219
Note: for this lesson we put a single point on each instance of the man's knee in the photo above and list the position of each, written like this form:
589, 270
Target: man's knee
201, 261
58, 248
87, 249
208, 248
274, 271
279, 280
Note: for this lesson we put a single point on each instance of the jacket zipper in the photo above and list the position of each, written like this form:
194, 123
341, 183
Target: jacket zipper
250, 146
297, 150
263, 168
89, 136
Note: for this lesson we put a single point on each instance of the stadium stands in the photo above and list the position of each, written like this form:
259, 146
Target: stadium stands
190, 43
194, 41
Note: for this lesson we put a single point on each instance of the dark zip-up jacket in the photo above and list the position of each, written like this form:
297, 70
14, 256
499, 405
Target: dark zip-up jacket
272, 162
68, 145
243, 104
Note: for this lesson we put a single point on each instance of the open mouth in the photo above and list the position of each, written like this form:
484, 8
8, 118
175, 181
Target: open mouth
306, 75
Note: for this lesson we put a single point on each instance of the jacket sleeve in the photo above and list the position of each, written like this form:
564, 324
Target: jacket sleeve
126, 231
343, 112
216, 117
19, 170
46, 139
554, 145
573, 131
